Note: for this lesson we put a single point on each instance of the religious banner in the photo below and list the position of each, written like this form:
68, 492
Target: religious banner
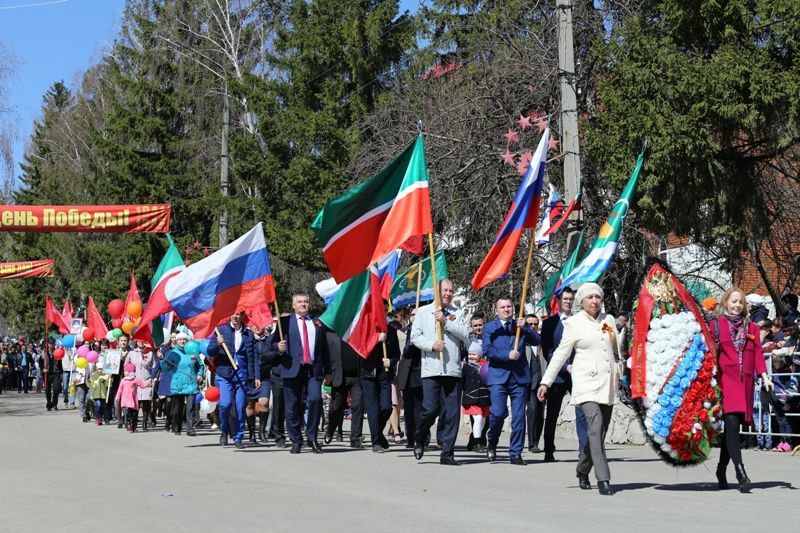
152, 218
41, 268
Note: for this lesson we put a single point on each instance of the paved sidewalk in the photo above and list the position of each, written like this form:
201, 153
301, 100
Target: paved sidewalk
59, 474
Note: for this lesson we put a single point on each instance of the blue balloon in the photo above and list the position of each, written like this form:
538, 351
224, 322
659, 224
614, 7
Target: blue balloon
203, 346
68, 341
198, 397
191, 348
483, 373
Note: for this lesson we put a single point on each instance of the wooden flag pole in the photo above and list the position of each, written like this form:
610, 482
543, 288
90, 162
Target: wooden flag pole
436, 304
419, 281
278, 320
46, 356
227, 351
531, 245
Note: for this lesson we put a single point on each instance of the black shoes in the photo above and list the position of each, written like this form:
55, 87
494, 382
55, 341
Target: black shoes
190, 433
518, 460
583, 481
534, 449
449, 461
418, 452
327, 438
549, 458
471, 443
491, 454
377, 448
605, 488
722, 479
295, 448
223, 439
315, 446
238, 444
281, 443
741, 477
356, 445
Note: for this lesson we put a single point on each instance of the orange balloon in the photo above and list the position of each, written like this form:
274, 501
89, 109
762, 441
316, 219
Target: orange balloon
134, 309
128, 326
137, 321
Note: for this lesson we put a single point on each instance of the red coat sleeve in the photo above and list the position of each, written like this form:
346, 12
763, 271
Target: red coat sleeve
761, 366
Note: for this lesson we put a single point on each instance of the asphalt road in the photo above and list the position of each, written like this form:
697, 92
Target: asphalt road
59, 474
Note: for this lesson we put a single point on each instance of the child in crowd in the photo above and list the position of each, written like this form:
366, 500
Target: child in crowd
98, 391
127, 396
475, 401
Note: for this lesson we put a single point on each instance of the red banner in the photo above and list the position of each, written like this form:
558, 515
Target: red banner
42, 268
152, 218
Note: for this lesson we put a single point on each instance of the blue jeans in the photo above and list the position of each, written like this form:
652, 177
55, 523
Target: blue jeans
232, 392
65, 376
498, 413
99, 408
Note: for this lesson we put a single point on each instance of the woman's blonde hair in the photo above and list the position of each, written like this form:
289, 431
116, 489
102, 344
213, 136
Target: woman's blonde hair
723, 302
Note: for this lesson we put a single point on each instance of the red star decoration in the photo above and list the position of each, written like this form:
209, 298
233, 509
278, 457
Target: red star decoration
508, 157
512, 136
541, 124
533, 115
197, 245
526, 157
552, 144
206, 251
188, 251
522, 167
524, 122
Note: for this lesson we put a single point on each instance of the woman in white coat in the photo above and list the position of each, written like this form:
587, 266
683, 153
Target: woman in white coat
593, 337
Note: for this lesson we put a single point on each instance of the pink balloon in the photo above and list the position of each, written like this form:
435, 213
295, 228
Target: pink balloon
92, 356
83, 350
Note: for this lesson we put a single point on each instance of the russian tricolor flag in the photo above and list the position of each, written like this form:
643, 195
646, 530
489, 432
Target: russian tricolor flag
523, 214
236, 277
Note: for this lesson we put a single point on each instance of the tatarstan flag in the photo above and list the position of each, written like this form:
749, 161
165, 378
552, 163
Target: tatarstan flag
375, 217
157, 317
357, 313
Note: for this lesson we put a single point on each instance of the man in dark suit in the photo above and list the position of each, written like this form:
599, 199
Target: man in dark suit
233, 383
509, 376
534, 410
344, 372
409, 380
376, 389
305, 363
552, 329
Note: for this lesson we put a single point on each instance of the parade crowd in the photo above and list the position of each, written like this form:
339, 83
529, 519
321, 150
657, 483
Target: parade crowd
297, 379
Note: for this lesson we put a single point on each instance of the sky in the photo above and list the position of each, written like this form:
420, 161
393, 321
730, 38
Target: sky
52, 40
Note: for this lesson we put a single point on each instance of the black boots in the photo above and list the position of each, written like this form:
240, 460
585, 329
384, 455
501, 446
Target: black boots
583, 481
741, 477
471, 443
721, 478
262, 427
605, 488
251, 428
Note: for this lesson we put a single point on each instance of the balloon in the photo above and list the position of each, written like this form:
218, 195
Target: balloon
191, 348
59, 353
212, 394
81, 362
137, 321
110, 336
83, 350
116, 322
127, 327
134, 309
116, 308
483, 373
92, 356
117, 333
88, 334
198, 397
207, 407
203, 346
68, 341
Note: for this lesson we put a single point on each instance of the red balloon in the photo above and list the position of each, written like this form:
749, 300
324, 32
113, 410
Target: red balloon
116, 308
58, 353
88, 334
212, 394
116, 322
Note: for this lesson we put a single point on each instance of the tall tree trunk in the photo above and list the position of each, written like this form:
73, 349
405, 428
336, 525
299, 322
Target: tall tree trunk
223, 171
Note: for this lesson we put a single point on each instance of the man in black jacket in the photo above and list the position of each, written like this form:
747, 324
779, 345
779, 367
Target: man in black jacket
409, 380
345, 367
376, 388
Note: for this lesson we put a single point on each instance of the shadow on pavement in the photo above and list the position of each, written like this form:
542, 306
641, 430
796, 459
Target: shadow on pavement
712, 487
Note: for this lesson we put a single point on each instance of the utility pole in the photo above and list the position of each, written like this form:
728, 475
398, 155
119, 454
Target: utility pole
569, 109
223, 170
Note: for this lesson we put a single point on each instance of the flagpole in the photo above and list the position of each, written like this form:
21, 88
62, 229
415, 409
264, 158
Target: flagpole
436, 305
278, 320
46, 357
227, 351
531, 244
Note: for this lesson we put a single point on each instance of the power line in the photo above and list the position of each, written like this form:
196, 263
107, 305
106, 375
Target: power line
38, 4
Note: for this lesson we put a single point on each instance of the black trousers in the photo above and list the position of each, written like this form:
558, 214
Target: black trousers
53, 389
555, 395
534, 414
339, 400
377, 394
412, 412
277, 408
441, 396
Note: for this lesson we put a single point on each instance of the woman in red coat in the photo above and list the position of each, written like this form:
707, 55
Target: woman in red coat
740, 358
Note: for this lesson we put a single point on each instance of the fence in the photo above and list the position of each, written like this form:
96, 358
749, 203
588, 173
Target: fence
795, 362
